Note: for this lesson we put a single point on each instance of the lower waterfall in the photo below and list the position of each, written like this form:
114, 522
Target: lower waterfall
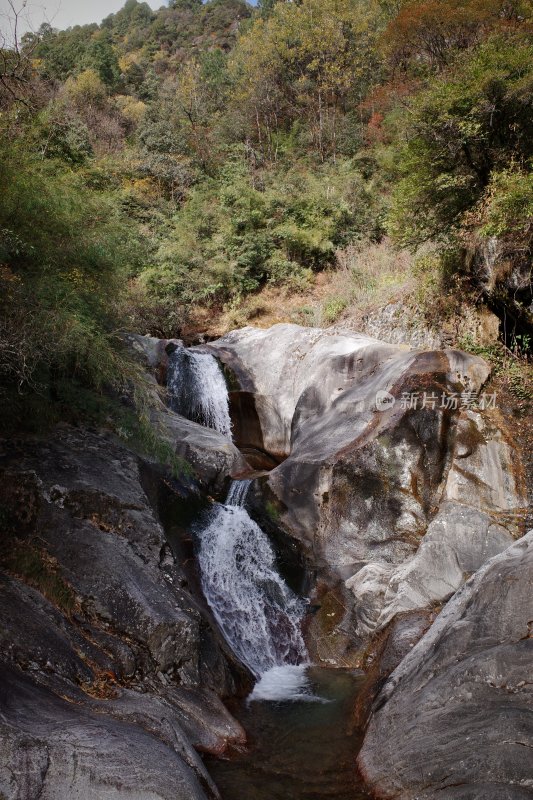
258, 614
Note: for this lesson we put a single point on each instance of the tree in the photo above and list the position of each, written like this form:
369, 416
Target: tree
267, 6
432, 31
130, 16
65, 252
16, 68
62, 53
305, 60
472, 120
86, 90
101, 57
189, 5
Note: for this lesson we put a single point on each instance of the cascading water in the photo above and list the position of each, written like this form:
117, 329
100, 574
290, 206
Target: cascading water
302, 748
257, 612
198, 390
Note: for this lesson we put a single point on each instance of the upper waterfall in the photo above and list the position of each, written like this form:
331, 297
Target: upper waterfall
198, 389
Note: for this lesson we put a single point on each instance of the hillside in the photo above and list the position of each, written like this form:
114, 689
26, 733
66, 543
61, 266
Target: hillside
185, 171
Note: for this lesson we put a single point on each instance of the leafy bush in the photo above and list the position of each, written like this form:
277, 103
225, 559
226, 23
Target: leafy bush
508, 206
65, 253
243, 229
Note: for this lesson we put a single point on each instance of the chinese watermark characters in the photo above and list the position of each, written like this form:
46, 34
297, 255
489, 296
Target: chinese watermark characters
451, 401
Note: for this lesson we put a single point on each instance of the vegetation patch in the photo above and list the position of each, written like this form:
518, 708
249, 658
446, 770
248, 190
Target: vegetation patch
33, 565
207, 165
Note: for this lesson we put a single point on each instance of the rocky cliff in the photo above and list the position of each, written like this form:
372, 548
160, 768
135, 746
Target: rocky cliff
111, 667
386, 478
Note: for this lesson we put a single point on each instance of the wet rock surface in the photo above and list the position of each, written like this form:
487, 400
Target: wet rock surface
454, 720
111, 667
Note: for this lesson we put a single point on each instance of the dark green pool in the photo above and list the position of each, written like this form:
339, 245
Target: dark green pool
299, 749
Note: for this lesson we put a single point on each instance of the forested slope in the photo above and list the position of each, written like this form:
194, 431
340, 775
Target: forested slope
213, 161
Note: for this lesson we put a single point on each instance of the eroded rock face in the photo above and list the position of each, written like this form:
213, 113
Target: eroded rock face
455, 719
480, 511
503, 274
53, 750
111, 667
394, 505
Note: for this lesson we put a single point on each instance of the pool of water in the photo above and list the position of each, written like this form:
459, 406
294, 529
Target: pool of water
298, 749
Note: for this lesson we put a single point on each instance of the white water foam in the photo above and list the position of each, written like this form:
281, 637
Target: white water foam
198, 389
285, 683
259, 615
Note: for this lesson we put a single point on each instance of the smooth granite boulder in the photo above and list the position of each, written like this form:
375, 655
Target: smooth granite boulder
396, 475
455, 719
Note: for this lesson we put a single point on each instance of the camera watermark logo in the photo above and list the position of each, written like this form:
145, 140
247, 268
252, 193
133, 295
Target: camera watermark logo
384, 400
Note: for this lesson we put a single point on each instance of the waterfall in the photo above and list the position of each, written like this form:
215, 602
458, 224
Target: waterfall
257, 612
238, 491
198, 390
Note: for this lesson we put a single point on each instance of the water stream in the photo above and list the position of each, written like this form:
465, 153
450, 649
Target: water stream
257, 612
298, 718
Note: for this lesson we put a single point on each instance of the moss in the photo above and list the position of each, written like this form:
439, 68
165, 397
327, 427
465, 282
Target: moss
469, 437
137, 431
272, 510
38, 569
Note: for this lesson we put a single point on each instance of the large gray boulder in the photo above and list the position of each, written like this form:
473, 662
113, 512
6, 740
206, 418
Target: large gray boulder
213, 457
394, 505
480, 509
52, 749
455, 719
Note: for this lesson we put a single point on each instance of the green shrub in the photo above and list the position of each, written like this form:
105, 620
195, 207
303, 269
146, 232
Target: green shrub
508, 207
332, 309
65, 254
241, 230
473, 120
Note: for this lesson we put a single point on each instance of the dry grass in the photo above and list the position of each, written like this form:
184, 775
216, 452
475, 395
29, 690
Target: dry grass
365, 278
